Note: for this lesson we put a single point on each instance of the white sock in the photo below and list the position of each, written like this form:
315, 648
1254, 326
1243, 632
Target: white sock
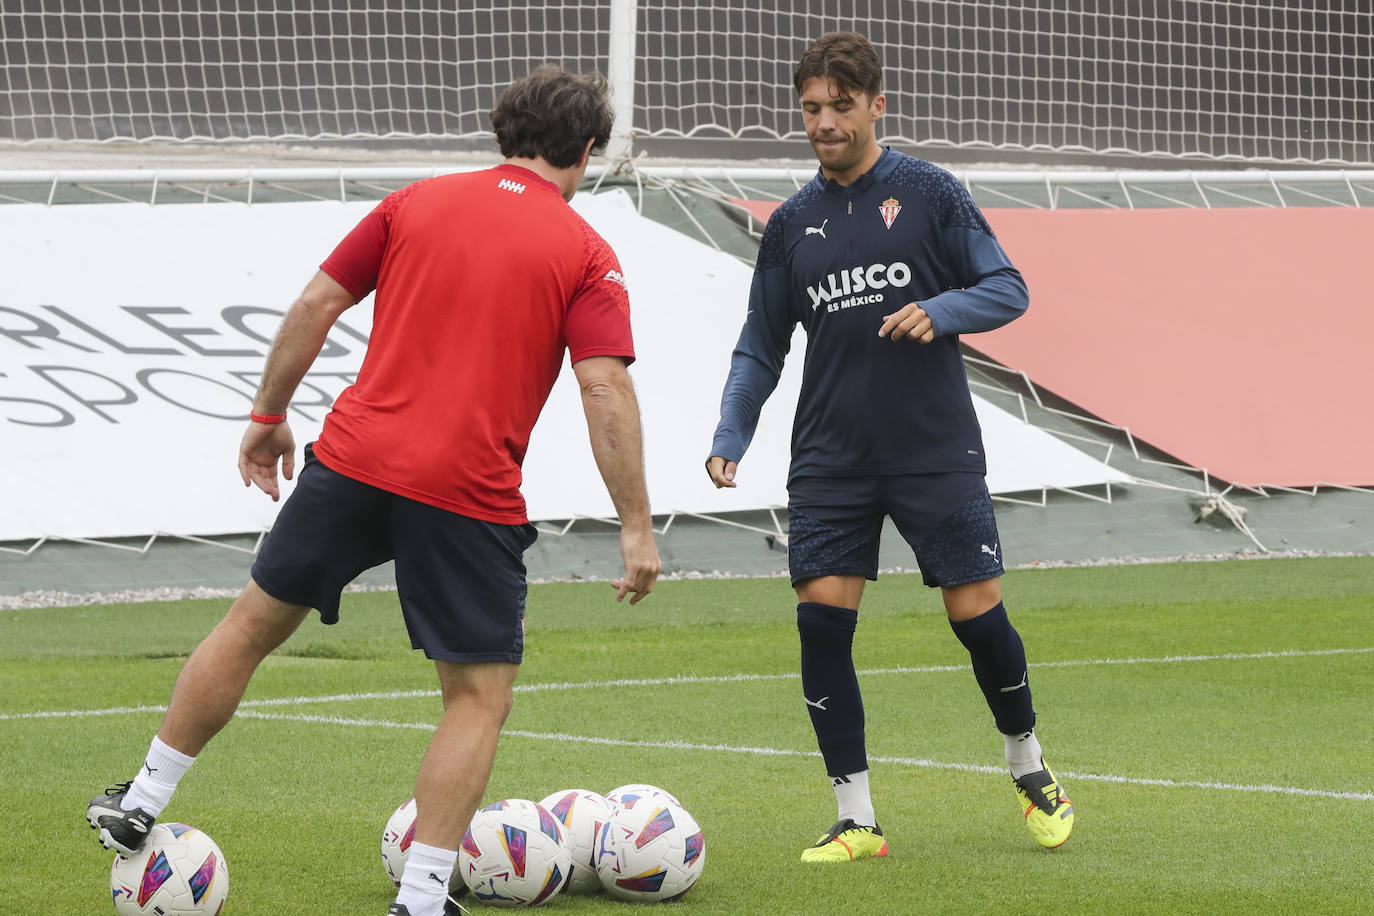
1023, 753
424, 885
153, 786
852, 798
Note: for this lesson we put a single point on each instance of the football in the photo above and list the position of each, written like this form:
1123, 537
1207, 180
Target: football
581, 812
397, 836
514, 853
650, 850
620, 794
179, 871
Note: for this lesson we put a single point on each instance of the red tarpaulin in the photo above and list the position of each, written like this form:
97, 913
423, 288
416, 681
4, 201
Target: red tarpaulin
1237, 340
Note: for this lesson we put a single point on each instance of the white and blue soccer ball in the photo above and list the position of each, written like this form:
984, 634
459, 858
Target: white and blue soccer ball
179, 871
582, 813
514, 853
621, 794
650, 850
397, 836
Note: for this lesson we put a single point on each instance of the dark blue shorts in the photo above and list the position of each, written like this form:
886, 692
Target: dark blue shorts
461, 581
834, 526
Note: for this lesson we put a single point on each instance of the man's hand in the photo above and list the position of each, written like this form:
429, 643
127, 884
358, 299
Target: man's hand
910, 322
642, 565
263, 444
722, 472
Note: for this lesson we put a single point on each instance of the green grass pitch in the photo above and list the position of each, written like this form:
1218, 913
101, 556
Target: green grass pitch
1211, 722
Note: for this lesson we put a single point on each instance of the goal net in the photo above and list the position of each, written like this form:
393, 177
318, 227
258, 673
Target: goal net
215, 70
1287, 82
1233, 79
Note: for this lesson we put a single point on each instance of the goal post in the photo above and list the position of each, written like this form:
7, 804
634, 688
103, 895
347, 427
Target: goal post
621, 63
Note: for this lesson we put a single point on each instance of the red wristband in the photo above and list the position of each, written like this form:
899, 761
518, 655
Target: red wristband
268, 418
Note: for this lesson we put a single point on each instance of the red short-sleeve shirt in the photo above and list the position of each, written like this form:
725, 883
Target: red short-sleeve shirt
483, 279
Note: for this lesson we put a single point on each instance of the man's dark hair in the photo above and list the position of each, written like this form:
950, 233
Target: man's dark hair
848, 58
553, 113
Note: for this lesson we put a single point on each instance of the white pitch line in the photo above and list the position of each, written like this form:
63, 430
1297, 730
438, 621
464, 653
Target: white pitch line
80, 713
693, 679
786, 752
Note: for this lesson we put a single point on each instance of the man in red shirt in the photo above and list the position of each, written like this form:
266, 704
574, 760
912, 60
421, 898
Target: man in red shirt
482, 281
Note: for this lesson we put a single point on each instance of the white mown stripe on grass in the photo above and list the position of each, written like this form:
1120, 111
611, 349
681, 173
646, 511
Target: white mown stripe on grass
786, 752
689, 679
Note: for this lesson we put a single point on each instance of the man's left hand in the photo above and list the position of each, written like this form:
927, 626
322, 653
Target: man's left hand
909, 322
642, 565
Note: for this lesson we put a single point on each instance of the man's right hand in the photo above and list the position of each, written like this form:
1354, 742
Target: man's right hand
722, 472
262, 446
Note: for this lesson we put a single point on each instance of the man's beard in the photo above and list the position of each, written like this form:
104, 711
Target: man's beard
838, 158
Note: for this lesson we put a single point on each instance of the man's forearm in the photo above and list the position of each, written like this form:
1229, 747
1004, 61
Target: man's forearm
298, 342
617, 445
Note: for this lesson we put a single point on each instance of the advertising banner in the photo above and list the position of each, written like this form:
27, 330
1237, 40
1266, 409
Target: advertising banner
132, 339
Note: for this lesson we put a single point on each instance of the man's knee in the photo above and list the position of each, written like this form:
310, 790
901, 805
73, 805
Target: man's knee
262, 622
964, 602
487, 686
837, 591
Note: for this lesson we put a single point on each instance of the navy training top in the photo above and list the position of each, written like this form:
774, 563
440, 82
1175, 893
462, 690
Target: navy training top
838, 258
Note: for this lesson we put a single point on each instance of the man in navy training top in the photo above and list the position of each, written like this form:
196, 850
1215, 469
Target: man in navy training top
885, 260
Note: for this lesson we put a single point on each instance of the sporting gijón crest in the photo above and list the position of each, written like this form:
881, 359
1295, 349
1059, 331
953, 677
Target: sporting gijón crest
890, 208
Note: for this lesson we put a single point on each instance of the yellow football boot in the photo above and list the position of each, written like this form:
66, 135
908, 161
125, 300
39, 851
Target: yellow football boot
845, 842
1048, 811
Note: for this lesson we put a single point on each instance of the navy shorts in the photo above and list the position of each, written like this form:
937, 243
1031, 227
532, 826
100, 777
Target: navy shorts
460, 580
834, 526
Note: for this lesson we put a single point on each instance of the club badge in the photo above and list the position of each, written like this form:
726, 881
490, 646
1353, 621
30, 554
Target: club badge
890, 208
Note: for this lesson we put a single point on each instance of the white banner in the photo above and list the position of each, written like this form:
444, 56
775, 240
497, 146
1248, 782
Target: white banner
131, 342
132, 339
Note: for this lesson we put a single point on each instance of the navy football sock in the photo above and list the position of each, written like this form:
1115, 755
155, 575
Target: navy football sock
999, 664
830, 685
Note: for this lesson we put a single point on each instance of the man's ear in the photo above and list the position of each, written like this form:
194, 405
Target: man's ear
586, 153
879, 106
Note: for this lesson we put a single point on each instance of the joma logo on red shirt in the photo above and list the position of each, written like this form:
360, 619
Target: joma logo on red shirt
506, 184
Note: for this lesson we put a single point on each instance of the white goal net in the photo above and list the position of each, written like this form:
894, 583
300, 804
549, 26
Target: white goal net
1223, 79
1282, 82
212, 70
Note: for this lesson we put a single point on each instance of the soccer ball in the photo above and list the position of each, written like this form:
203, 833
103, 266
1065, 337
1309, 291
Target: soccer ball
620, 794
651, 849
179, 871
581, 813
397, 836
514, 853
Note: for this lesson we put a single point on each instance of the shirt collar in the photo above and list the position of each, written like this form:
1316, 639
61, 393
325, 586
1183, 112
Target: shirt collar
887, 161
524, 174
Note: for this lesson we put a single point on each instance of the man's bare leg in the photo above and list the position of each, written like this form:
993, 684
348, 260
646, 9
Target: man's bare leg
207, 692
454, 774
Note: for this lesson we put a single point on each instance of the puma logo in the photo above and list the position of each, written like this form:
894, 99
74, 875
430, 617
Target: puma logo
817, 230
990, 551
819, 704
1014, 687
